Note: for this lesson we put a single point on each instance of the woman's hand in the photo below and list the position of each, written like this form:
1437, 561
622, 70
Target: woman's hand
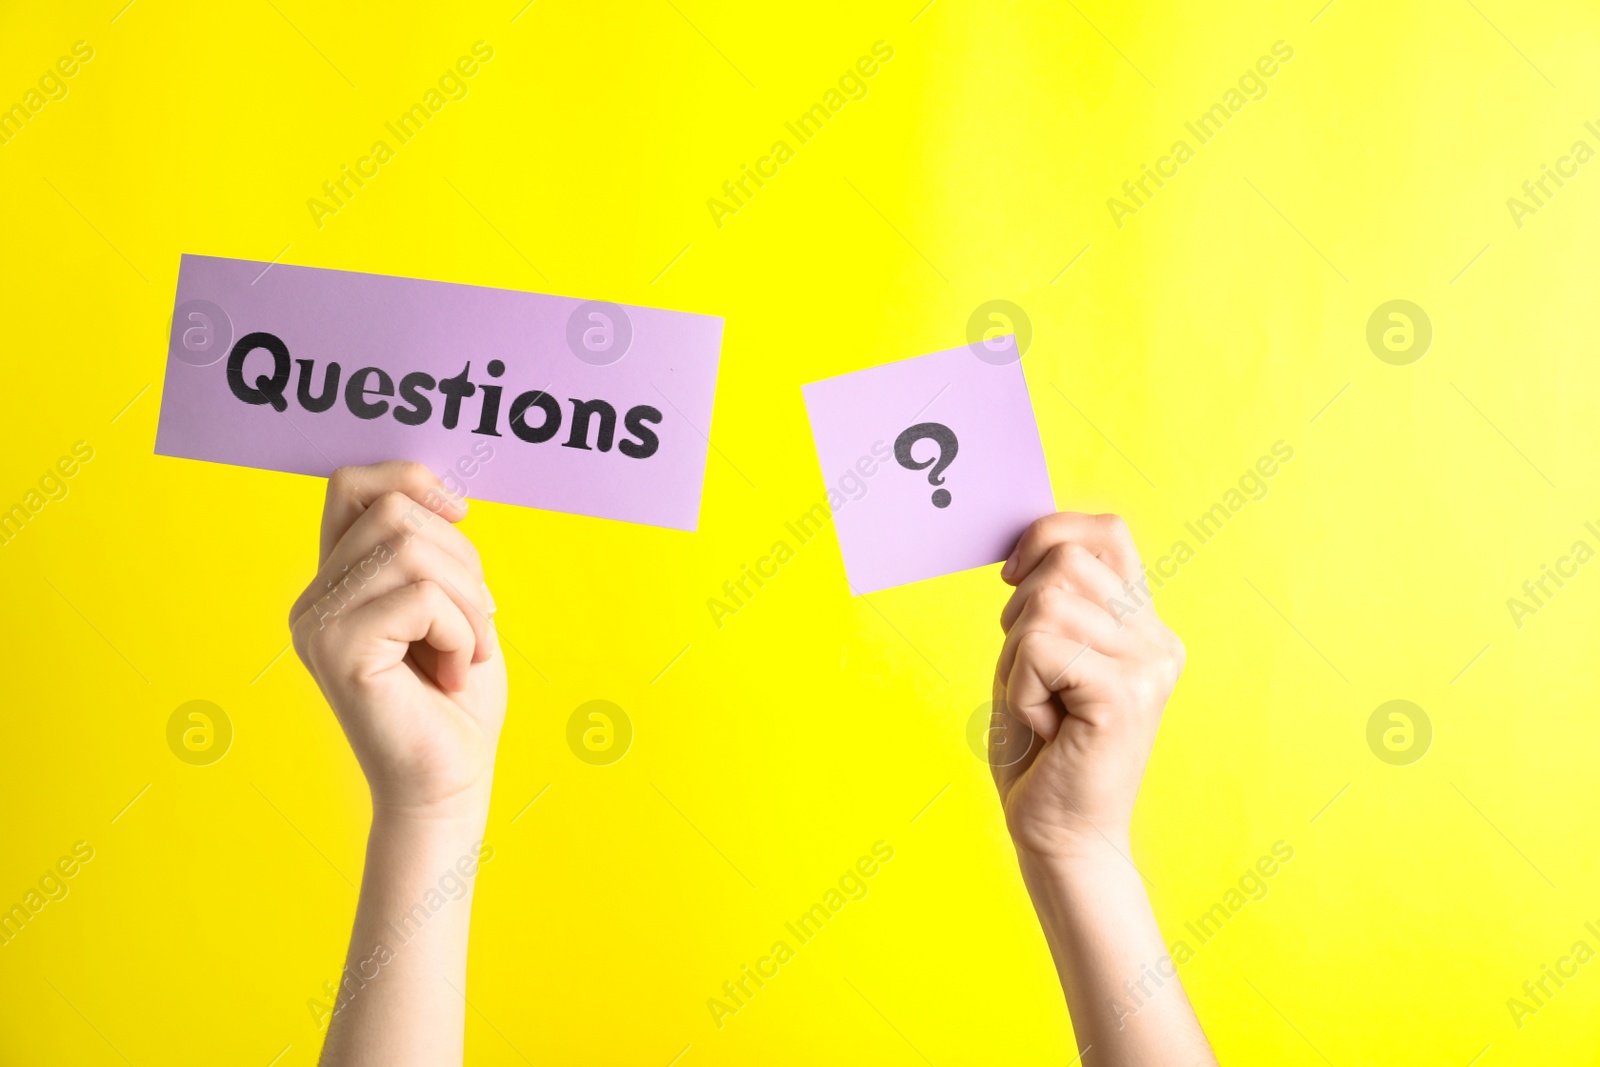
397, 629
1083, 677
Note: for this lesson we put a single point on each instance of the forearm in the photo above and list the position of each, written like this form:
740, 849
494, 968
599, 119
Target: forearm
401, 1003
1128, 1006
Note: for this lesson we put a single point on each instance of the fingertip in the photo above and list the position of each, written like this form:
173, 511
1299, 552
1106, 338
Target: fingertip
455, 676
426, 487
1051, 727
486, 643
1012, 572
1036, 719
452, 508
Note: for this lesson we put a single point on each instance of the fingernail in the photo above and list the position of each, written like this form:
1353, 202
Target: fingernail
489, 597
494, 638
1010, 567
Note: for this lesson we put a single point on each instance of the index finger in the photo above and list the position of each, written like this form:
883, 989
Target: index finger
351, 490
1106, 536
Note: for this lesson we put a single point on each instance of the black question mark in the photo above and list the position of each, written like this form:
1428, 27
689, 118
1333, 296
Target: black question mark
940, 435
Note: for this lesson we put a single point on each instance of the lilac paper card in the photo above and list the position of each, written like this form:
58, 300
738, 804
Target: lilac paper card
544, 401
899, 525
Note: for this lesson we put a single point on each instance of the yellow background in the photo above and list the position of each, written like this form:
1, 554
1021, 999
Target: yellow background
1221, 318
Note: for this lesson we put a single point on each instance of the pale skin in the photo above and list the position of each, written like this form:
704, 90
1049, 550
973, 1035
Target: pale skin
1083, 677
397, 630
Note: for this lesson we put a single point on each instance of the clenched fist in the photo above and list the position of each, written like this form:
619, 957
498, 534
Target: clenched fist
397, 629
1083, 676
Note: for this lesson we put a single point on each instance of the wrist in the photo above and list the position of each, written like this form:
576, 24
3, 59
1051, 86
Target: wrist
1047, 835
1074, 859
459, 820
463, 809
425, 826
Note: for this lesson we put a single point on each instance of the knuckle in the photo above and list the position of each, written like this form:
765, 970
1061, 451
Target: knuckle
299, 636
340, 478
391, 505
1115, 525
1153, 678
1041, 526
296, 609
1054, 562
1050, 601
1041, 531
316, 641
1144, 688
428, 591
1076, 552
410, 517
1177, 655
1073, 559
1015, 605
1031, 645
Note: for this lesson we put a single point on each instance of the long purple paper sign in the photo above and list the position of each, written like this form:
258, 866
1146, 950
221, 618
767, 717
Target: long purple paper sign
551, 402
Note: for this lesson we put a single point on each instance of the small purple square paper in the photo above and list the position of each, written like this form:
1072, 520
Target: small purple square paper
897, 524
